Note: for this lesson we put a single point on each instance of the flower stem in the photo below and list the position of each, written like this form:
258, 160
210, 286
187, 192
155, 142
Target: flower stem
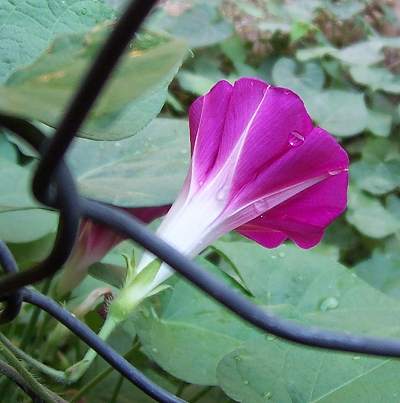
200, 394
29, 379
13, 375
102, 375
58, 376
28, 335
117, 389
76, 371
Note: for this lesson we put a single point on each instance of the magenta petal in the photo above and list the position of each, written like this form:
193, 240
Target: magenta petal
259, 121
303, 217
319, 155
207, 116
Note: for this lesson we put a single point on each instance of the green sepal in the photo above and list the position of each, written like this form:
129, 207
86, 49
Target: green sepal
136, 289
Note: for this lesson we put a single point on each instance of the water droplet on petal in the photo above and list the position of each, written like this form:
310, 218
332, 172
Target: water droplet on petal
261, 206
222, 193
281, 254
271, 337
273, 257
335, 172
295, 139
356, 358
267, 395
286, 91
328, 303
201, 183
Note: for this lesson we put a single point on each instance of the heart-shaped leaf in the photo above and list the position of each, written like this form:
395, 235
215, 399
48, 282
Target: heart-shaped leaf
145, 170
42, 91
26, 28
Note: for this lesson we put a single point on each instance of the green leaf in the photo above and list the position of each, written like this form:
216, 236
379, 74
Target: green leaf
379, 123
361, 53
108, 273
299, 78
137, 89
345, 10
378, 172
191, 328
272, 26
27, 27
145, 170
376, 78
300, 29
234, 48
381, 271
195, 83
376, 179
32, 251
201, 25
7, 149
323, 293
22, 219
288, 373
318, 52
369, 216
285, 275
306, 80
301, 10
341, 113
250, 9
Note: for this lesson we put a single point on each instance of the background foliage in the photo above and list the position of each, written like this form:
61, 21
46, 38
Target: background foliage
342, 58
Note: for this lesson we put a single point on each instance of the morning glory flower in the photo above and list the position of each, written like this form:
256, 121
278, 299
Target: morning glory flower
258, 166
94, 242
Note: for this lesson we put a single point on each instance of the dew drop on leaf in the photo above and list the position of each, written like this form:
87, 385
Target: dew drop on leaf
328, 303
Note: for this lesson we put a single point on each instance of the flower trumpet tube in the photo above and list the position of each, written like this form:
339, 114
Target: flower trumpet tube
258, 166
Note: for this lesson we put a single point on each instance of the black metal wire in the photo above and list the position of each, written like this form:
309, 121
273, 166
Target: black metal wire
14, 301
54, 186
101, 347
66, 200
